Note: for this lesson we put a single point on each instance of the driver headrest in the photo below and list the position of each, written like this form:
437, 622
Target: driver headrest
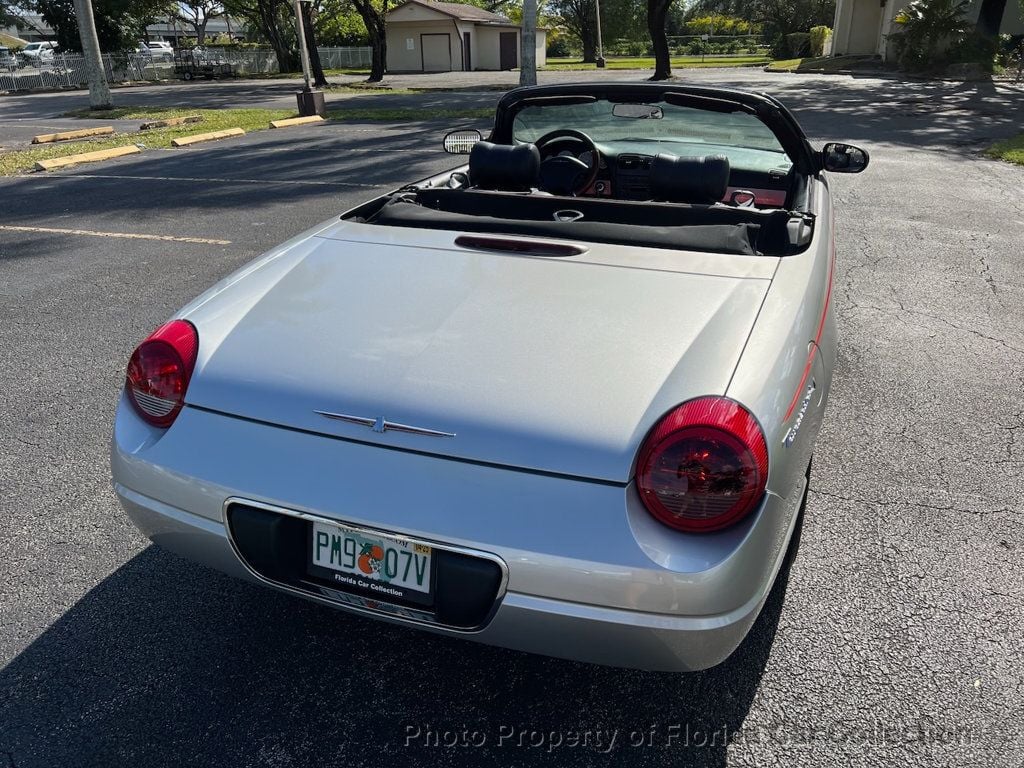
696, 180
511, 168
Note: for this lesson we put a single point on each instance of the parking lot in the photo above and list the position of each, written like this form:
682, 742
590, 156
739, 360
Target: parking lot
894, 639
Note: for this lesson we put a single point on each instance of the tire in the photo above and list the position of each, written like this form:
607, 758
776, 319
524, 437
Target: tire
187, 76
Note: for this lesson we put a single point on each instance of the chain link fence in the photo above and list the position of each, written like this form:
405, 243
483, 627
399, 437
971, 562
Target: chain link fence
67, 70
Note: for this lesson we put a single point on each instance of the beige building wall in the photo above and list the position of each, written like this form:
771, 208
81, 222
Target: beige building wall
407, 24
487, 52
405, 44
865, 27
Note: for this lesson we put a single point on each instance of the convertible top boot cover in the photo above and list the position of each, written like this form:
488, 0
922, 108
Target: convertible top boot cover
504, 167
735, 238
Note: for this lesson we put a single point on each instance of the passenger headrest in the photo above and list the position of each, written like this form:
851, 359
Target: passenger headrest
698, 180
512, 168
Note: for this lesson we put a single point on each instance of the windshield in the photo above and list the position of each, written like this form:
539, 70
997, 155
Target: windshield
690, 131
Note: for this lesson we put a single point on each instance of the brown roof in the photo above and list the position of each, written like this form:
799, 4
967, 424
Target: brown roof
460, 11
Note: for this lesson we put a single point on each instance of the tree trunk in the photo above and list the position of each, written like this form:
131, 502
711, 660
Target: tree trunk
99, 92
589, 50
319, 80
201, 32
374, 21
528, 46
588, 33
287, 57
378, 59
657, 12
990, 17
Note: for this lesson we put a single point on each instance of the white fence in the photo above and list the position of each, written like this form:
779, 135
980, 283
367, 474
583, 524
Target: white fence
68, 70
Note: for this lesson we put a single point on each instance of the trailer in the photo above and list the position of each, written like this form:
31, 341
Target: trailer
192, 63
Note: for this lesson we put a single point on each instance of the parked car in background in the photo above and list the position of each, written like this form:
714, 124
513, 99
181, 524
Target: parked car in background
36, 54
156, 51
7, 58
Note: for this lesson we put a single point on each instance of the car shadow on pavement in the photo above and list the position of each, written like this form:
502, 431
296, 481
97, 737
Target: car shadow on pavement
166, 663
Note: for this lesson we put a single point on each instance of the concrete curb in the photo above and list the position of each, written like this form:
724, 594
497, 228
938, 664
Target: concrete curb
289, 122
87, 157
185, 141
47, 138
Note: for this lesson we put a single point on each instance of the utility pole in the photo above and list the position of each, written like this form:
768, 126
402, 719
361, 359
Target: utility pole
99, 92
600, 46
303, 53
310, 102
528, 63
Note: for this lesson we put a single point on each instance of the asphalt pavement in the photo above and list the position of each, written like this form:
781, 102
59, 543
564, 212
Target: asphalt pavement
894, 639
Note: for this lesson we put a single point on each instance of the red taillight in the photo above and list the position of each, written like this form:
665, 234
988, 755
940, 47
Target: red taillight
159, 371
704, 466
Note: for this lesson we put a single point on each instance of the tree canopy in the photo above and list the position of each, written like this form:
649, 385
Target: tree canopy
119, 23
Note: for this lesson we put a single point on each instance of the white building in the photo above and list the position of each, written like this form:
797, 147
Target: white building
170, 30
428, 36
864, 26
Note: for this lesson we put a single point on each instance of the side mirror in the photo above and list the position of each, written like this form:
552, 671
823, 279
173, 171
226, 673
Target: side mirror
843, 158
461, 142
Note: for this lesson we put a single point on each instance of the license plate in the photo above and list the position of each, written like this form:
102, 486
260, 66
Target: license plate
385, 565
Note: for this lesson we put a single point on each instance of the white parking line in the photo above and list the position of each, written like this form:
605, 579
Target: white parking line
128, 235
207, 179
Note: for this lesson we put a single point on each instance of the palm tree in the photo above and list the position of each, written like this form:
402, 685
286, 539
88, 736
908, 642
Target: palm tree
927, 24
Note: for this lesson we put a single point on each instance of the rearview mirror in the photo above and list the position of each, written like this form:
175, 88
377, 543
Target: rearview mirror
638, 111
843, 158
461, 142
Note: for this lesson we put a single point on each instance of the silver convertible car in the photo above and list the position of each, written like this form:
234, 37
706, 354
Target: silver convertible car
561, 399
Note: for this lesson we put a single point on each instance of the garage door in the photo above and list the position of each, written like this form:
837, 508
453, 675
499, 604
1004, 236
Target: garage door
437, 52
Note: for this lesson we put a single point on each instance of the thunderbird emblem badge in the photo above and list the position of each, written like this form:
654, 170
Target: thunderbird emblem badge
381, 425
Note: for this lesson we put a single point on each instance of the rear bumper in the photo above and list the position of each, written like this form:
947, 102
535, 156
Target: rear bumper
655, 600
590, 633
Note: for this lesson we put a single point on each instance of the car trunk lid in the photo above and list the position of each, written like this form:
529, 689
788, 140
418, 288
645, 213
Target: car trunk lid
556, 365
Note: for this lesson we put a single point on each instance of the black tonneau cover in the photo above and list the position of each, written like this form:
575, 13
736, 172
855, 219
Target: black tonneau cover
738, 239
707, 228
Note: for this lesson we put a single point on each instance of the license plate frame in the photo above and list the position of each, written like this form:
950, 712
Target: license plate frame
370, 585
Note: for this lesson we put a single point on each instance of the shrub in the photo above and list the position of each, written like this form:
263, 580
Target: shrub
798, 44
928, 30
819, 37
559, 47
974, 48
636, 48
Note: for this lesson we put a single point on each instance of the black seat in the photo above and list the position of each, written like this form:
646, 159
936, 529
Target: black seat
509, 168
694, 180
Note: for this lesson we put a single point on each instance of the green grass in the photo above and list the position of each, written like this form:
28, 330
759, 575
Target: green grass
250, 120
213, 120
407, 115
364, 88
1011, 150
298, 75
821, 64
647, 62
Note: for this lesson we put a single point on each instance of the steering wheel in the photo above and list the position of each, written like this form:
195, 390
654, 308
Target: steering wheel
563, 174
